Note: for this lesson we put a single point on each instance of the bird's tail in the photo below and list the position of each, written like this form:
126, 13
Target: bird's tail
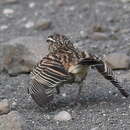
103, 68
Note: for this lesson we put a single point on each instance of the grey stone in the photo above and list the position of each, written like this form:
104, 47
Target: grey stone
98, 28
95, 128
63, 116
42, 24
118, 60
11, 121
21, 54
29, 24
4, 107
8, 1
125, 1
98, 36
8, 11
59, 2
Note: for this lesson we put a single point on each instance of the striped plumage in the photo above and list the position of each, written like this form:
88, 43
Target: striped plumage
103, 68
64, 64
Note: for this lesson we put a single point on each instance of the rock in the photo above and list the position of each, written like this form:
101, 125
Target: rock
118, 60
21, 54
125, 1
8, 12
124, 31
31, 5
83, 34
59, 2
13, 105
95, 128
43, 24
63, 94
11, 121
63, 116
98, 28
3, 27
8, 1
98, 36
29, 24
4, 107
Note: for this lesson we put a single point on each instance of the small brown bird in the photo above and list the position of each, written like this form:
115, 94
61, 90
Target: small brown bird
63, 65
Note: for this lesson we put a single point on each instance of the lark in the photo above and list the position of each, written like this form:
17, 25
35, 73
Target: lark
65, 64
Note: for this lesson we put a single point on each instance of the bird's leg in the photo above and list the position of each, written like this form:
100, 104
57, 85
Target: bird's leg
77, 99
57, 89
81, 84
79, 90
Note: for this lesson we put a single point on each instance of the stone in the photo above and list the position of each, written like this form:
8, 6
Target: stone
98, 36
3, 27
95, 128
63, 116
31, 5
83, 34
11, 121
8, 11
21, 54
42, 24
13, 105
125, 1
29, 24
118, 60
4, 107
124, 31
98, 28
8, 1
59, 2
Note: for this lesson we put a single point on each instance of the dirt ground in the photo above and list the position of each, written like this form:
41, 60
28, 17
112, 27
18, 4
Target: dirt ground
101, 107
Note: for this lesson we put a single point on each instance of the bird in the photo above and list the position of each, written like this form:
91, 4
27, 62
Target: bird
65, 64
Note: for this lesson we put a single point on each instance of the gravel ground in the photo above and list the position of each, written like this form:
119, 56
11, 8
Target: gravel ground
101, 105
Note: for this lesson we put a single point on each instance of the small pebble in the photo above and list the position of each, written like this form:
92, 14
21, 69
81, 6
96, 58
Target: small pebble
29, 24
71, 8
98, 36
123, 31
83, 34
125, 1
63, 116
42, 24
59, 2
8, 11
32, 5
123, 97
95, 128
3, 27
104, 114
98, 28
64, 94
14, 104
8, 1
110, 91
4, 107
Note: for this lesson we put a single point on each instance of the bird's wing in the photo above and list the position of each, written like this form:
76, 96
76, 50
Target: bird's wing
46, 76
103, 68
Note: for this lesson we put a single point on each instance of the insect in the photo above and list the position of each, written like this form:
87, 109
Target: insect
65, 64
